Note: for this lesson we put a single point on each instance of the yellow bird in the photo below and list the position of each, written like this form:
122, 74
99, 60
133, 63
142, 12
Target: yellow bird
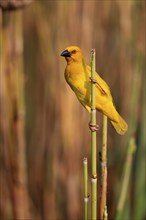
77, 74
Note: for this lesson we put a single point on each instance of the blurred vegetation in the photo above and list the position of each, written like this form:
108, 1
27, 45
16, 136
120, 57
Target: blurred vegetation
44, 131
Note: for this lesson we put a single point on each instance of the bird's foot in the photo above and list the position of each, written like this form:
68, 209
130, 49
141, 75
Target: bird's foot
93, 127
93, 80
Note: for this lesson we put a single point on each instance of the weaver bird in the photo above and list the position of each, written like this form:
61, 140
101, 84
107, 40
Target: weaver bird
77, 74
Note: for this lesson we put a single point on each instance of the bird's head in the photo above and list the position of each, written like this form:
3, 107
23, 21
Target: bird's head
72, 54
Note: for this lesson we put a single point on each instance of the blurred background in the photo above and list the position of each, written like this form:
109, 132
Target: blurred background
44, 132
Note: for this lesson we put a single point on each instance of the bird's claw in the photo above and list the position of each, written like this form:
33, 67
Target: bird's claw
93, 127
93, 80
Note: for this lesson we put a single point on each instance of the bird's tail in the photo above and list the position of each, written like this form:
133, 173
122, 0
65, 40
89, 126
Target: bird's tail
120, 126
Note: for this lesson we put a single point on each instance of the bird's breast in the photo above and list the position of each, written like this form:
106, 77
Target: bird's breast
78, 82
75, 78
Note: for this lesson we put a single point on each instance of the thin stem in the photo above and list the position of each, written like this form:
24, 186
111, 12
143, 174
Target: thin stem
104, 169
85, 164
93, 142
128, 165
105, 214
21, 191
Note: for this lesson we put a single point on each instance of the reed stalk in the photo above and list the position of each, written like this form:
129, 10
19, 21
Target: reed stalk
93, 142
22, 190
13, 112
85, 164
103, 206
105, 214
126, 177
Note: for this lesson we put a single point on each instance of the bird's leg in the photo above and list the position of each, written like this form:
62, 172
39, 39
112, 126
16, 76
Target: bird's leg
93, 80
93, 127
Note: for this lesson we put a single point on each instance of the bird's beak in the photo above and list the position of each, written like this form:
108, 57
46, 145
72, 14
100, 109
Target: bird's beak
65, 53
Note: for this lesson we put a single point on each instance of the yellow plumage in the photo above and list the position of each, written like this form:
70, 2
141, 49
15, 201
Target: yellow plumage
77, 75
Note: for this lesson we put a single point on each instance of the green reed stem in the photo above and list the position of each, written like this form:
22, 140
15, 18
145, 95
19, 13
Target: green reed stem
105, 214
103, 206
93, 142
85, 164
126, 177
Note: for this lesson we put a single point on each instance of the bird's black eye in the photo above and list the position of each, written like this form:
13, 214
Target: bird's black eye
74, 51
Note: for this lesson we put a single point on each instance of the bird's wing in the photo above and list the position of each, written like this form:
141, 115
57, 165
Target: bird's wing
101, 84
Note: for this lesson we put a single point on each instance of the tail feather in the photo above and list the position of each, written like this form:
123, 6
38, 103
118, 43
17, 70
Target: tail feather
120, 126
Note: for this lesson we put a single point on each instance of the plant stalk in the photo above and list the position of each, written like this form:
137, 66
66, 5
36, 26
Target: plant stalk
104, 169
93, 142
126, 177
85, 164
